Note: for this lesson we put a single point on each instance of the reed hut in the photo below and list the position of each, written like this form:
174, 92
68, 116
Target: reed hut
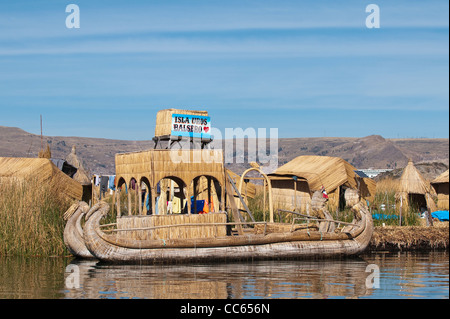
336, 176
414, 191
156, 168
172, 176
81, 176
441, 186
22, 170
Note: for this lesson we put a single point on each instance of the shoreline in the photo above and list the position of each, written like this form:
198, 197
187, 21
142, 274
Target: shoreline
410, 238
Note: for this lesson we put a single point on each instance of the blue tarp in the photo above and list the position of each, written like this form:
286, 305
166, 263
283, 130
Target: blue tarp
442, 215
200, 205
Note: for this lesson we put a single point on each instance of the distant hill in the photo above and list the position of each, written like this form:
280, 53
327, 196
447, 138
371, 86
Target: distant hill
428, 170
368, 152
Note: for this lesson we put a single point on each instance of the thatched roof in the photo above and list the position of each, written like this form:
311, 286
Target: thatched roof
81, 175
443, 178
330, 172
20, 169
412, 182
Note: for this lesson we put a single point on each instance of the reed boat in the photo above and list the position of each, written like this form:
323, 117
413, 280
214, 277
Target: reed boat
73, 231
175, 204
264, 241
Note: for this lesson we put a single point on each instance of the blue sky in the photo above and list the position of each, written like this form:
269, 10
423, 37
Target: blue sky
309, 68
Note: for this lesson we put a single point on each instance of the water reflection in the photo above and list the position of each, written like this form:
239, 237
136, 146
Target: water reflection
412, 275
402, 275
30, 278
266, 279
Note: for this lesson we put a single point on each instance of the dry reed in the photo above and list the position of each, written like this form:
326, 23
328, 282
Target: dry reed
395, 238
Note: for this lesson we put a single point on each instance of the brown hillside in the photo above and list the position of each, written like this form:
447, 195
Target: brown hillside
375, 151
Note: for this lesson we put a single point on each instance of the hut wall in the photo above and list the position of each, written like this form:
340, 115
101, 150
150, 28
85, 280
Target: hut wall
367, 188
183, 232
333, 200
442, 190
285, 197
442, 203
351, 197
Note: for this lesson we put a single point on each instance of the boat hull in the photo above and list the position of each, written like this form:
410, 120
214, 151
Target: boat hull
73, 233
285, 246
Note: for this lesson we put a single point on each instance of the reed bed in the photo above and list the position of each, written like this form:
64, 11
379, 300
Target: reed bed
31, 222
394, 238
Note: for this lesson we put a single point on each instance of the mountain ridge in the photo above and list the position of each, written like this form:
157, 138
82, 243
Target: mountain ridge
372, 151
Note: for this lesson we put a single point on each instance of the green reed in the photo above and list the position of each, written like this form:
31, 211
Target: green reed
31, 222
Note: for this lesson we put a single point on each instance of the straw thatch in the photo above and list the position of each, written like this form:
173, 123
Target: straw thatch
414, 190
17, 169
81, 175
326, 171
164, 120
45, 154
412, 182
441, 186
330, 173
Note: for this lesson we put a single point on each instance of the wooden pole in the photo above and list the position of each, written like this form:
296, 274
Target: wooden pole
136, 190
209, 193
222, 197
264, 199
195, 194
113, 203
139, 195
188, 199
295, 193
129, 200
152, 197
119, 212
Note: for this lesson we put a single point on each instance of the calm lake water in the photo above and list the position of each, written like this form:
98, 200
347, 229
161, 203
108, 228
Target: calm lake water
378, 275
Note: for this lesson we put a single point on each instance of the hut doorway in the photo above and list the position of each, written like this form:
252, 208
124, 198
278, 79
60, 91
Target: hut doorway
417, 202
146, 197
206, 195
342, 202
171, 196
